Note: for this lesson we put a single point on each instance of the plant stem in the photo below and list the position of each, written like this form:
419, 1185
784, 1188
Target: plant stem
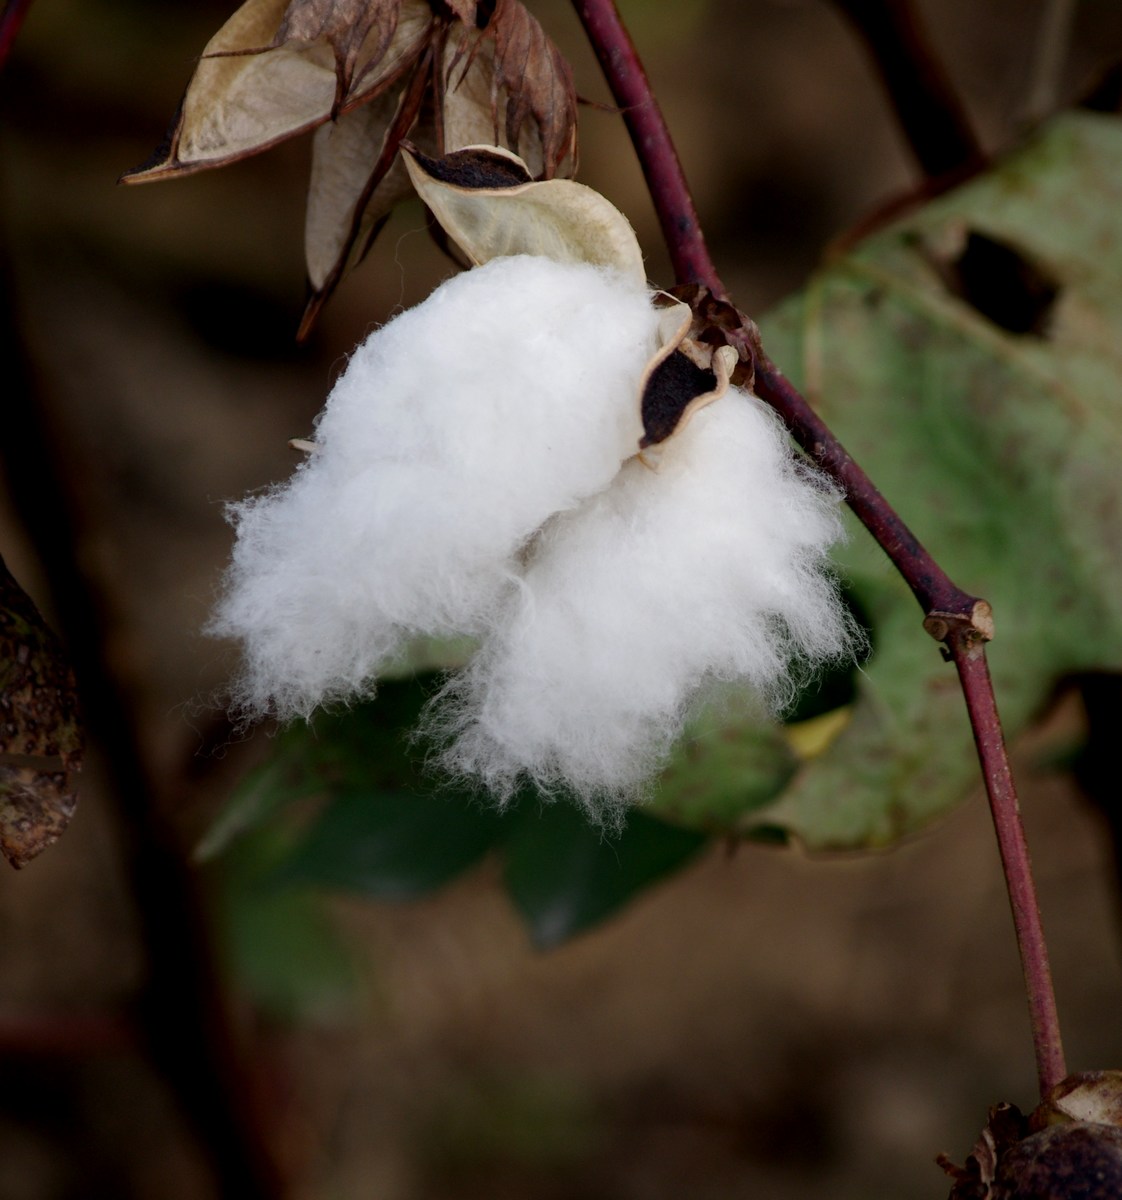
977, 689
961, 621
666, 181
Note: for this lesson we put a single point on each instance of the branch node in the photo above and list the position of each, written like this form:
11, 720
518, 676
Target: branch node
973, 628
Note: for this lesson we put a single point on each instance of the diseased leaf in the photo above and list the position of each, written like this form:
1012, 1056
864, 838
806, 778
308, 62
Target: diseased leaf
40, 729
999, 448
555, 218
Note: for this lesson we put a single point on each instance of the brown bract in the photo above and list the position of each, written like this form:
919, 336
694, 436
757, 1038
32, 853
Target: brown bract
366, 74
40, 733
1068, 1148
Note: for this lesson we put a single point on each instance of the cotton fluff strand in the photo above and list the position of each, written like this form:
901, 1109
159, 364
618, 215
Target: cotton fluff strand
711, 569
456, 430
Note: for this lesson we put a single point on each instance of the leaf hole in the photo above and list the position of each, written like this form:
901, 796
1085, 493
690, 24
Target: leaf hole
995, 278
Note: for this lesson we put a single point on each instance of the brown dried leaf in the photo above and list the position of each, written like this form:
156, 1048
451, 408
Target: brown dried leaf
538, 83
40, 733
255, 87
241, 100
489, 216
347, 26
357, 178
469, 108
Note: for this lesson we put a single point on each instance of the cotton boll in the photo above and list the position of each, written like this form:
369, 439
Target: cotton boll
454, 433
711, 569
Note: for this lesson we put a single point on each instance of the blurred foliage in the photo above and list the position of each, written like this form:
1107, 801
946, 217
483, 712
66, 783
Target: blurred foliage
345, 804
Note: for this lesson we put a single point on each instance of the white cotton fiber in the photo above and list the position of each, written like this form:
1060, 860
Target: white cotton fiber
712, 568
456, 430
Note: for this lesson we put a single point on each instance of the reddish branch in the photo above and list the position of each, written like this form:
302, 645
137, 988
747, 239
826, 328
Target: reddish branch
973, 671
961, 621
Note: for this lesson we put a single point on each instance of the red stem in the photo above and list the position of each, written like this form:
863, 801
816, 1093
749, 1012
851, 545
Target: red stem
977, 689
666, 181
953, 616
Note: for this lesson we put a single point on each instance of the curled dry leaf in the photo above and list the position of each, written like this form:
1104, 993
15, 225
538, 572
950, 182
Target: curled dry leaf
40, 734
370, 72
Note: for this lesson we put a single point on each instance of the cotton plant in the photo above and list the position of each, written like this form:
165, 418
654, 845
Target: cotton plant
539, 457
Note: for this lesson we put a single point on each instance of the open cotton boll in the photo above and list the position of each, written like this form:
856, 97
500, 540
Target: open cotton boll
456, 430
711, 569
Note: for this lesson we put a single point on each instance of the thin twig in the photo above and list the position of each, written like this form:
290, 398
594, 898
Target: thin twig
961, 621
929, 112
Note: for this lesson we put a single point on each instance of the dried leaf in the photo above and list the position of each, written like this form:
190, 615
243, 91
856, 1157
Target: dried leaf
538, 83
450, 74
476, 197
356, 180
470, 110
40, 734
251, 89
347, 26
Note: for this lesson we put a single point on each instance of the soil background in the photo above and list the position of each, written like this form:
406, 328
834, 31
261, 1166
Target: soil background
762, 1024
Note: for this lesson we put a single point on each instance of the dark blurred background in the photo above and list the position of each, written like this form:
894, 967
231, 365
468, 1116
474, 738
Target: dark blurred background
761, 1025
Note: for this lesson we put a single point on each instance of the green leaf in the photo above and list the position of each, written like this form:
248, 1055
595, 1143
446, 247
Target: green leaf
730, 761
366, 746
279, 944
393, 845
565, 875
